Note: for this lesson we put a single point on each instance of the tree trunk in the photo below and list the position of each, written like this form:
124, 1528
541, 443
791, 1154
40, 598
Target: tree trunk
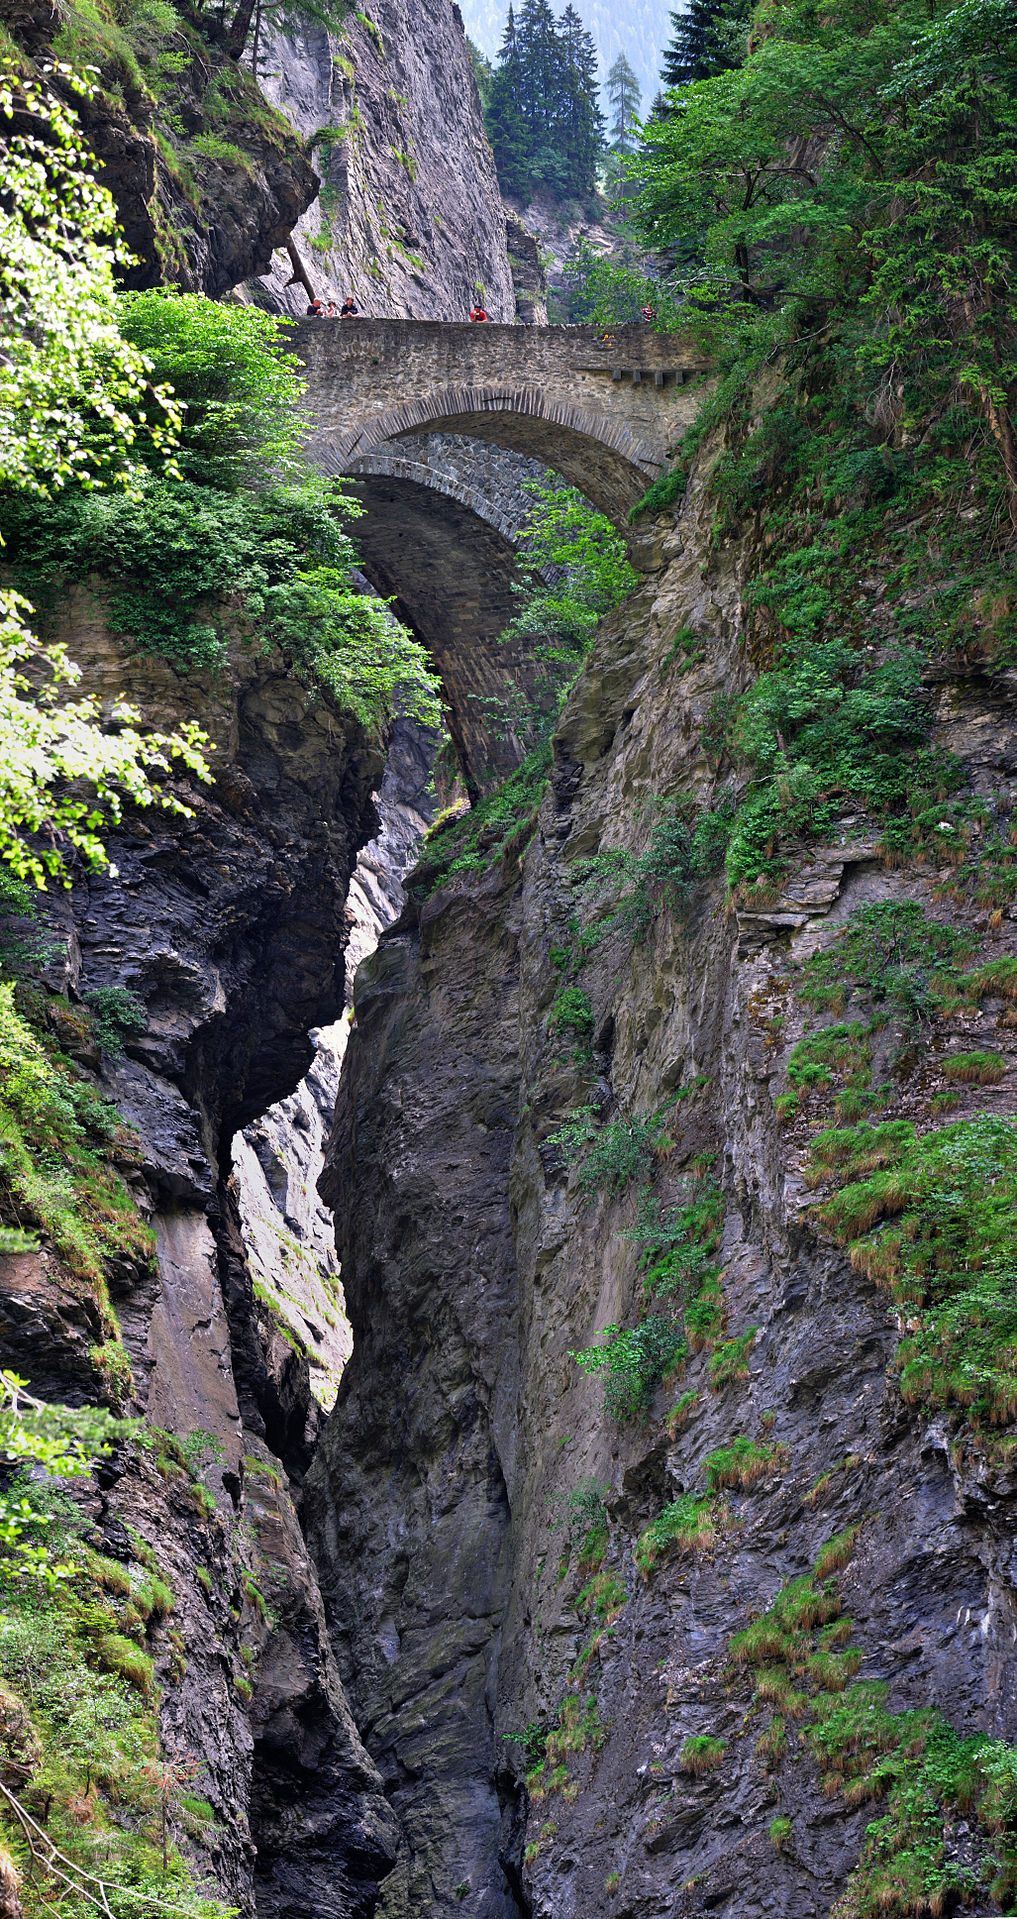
240, 28
1003, 434
299, 276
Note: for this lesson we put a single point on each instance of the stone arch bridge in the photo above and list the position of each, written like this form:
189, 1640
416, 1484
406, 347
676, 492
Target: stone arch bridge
602, 406
439, 425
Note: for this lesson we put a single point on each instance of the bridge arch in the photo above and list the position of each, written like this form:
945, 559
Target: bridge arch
449, 570
486, 478
608, 462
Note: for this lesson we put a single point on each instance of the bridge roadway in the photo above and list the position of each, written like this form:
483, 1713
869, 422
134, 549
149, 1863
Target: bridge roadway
601, 406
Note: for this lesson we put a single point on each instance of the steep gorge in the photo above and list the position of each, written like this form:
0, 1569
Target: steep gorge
543, 1618
478, 1517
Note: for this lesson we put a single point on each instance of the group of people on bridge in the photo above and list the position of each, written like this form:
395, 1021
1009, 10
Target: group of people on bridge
327, 310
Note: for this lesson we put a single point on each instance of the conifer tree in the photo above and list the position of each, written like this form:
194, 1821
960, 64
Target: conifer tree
708, 38
505, 128
624, 95
580, 120
543, 117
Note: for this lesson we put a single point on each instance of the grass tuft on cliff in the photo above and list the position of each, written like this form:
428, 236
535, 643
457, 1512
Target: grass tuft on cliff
935, 1222
79, 1739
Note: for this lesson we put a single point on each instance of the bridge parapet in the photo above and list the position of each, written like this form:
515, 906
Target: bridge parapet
602, 406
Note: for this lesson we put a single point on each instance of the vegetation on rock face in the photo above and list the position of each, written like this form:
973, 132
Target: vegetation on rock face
56, 1140
238, 540
89, 1806
802, 1666
77, 404
872, 272
936, 1223
574, 569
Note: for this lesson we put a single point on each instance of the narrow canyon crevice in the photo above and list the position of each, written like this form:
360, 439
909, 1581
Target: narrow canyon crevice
561, 1339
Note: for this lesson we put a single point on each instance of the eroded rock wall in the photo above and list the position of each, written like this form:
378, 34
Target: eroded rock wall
409, 219
288, 1231
229, 928
444, 1498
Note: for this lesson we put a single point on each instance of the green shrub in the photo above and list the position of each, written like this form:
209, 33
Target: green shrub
572, 1016
604, 1596
887, 952
116, 1018
57, 1140
244, 541
820, 1058
573, 568
679, 1246
686, 847
585, 1520
681, 1412
474, 841
635, 1362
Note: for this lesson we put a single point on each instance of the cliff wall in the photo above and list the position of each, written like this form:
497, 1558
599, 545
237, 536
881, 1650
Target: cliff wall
228, 931
409, 219
535, 1600
207, 178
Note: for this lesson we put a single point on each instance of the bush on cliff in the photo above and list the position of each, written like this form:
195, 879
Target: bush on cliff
837, 220
75, 399
235, 538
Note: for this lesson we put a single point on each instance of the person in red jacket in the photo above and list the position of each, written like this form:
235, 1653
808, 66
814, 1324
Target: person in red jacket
477, 313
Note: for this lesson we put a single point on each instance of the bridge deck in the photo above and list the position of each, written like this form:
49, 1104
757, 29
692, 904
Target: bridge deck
601, 405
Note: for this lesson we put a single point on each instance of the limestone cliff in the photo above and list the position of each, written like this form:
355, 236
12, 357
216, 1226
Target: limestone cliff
570, 1705
409, 219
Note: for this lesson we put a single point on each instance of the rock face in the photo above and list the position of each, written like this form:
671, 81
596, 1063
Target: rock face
229, 927
410, 219
207, 180
475, 1512
288, 1232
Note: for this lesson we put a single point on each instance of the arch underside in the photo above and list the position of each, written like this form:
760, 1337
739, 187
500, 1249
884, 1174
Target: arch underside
451, 575
600, 455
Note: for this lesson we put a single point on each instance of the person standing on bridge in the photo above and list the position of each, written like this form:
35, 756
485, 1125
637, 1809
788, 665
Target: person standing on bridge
349, 309
477, 313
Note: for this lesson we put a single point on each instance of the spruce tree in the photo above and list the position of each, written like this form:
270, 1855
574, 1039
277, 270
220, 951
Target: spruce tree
505, 126
624, 95
543, 117
708, 38
580, 124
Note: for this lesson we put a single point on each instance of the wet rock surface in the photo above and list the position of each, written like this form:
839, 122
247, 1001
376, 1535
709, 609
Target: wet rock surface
475, 1263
